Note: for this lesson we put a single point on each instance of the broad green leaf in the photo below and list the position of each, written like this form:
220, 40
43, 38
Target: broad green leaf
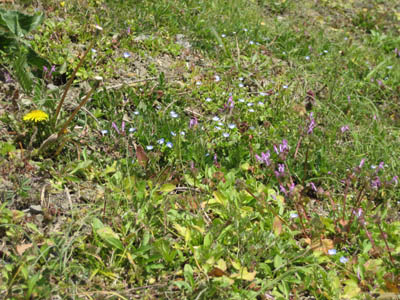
107, 234
244, 274
168, 187
110, 237
22, 72
219, 198
18, 23
278, 261
183, 231
351, 289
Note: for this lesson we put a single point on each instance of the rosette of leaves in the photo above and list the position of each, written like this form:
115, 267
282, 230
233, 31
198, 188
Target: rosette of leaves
14, 27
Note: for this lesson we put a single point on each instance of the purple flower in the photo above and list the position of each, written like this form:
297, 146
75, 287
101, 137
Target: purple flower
395, 180
128, 30
264, 158
314, 188
284, 146
193, 122
282, 189
345, 128
231, 103
281, 147
361, 163
281, 170
115, 127
381, 165
312, 125
123, 126
376, 183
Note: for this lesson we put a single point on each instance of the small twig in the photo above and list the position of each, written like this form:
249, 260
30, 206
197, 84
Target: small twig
130, 83
69, 198
69, 83
386, 243
83, 102
35, 131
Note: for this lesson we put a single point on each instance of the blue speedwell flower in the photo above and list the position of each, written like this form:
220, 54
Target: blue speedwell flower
173, 114
169, 144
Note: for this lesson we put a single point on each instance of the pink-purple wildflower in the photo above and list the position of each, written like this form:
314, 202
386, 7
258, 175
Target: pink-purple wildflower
264, 158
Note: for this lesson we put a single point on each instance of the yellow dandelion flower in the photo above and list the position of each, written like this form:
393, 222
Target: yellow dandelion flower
36, 116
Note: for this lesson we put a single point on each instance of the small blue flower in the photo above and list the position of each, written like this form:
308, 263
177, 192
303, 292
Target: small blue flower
136, 113
231, 126
217, 78
225, 134
241, 78
169, 144
285, 86
104, 131
223, 35
215, 118
260, 103
173, 133
263, 94
343, 260
217, 128
250, 104
332, 251
307, 57
127, 54
161, 141
241, 100
241, 85
93, 50
149, 147
251, 110
173, 114
182, 133
294, 215
251, 42
198, 83
132, 129
220, 123
208, 99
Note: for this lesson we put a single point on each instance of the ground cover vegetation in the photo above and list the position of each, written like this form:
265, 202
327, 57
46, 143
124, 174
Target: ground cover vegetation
199, 149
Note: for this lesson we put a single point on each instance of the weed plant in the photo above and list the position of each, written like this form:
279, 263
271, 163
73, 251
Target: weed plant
241, 150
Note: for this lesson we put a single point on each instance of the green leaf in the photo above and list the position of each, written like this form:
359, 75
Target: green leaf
19, 24
107, 234
168, 187
22, 72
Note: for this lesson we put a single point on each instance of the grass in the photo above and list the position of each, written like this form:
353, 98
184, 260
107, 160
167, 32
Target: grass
158, 189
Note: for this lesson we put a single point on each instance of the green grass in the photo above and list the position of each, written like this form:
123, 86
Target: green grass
137, 203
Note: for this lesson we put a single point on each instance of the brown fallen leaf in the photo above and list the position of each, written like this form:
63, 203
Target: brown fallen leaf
141, 155
216, 272
22, 248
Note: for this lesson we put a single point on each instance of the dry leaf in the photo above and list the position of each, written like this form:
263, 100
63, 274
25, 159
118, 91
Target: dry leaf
141, 156
216, 272
22, 248
277, 225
